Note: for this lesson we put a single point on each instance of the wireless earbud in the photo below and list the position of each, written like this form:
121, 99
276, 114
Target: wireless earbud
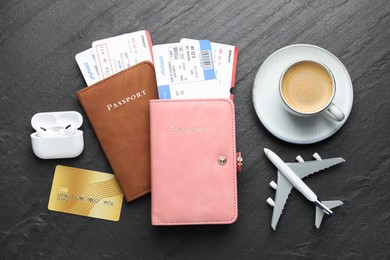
44, 132
57, 134
56, 131
70, 130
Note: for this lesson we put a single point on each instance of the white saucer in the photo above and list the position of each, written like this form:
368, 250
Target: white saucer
268, 104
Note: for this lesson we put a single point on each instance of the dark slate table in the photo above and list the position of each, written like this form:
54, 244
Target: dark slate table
38, 72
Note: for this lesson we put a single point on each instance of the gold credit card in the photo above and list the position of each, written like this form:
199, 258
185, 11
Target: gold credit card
86, 193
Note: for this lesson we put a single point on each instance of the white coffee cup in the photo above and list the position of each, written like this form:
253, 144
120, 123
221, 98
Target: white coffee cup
307, 88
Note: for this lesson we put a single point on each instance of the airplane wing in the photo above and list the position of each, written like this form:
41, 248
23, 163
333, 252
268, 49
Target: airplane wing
309, 167
284, 186
282, 191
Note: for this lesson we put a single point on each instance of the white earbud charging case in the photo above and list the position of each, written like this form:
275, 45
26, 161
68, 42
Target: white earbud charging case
57, 146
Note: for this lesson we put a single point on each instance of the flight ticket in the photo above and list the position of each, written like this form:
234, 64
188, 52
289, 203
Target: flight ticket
195, 69
87, 64
186, 69
112, 55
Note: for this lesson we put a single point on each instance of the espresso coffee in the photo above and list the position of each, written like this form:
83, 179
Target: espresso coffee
307, 87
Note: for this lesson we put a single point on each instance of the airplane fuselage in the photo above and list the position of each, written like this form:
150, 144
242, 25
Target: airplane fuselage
295, 180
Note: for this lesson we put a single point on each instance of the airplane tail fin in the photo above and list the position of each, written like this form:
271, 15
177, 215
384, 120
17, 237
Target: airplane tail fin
320, 213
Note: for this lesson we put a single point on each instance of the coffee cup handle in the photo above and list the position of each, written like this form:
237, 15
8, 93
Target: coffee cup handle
335, 113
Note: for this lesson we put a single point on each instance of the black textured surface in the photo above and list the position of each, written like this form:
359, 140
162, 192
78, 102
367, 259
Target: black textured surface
38, 72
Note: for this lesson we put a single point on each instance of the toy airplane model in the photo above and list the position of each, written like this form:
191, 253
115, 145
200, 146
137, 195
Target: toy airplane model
290, 175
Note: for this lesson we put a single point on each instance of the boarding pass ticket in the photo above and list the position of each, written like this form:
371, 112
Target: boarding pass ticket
112, 55
188, 69
195, 69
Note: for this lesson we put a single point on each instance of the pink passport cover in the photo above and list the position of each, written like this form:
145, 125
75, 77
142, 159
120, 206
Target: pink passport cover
189, 185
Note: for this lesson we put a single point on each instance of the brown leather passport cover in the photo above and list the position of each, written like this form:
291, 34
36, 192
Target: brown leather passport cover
118, 109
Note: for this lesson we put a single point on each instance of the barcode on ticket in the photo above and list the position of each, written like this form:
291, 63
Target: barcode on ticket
206, 57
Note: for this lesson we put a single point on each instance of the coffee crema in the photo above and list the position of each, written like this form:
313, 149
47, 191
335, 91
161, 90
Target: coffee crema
307, 87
